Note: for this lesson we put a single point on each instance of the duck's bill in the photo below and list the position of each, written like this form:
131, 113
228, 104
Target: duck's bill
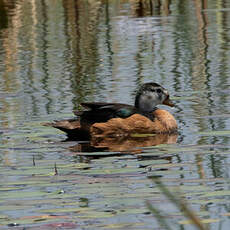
168, 102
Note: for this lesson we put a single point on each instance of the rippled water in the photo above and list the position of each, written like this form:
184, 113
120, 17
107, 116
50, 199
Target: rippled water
56, 54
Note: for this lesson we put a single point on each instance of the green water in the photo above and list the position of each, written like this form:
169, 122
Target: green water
57, 54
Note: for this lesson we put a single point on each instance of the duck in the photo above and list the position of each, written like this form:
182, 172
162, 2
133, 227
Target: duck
117, 119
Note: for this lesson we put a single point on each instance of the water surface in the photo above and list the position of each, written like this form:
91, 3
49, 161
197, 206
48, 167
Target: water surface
57, 54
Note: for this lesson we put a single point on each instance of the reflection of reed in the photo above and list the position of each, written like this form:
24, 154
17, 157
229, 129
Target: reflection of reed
223, 58
200, 69
10, 83
3, 15
83, 18
143, 8
200, 73
29, 56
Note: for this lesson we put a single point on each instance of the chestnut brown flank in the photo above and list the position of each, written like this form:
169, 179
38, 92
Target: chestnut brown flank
164, 122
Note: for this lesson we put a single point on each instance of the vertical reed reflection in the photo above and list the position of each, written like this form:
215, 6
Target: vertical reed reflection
223, 55
143, 8
203, 78
83, 18
200, 73
3, 15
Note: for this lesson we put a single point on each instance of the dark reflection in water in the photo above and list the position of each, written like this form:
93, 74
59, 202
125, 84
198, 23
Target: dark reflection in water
3, 13
56, 54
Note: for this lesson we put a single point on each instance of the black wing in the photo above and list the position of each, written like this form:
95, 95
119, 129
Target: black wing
102, 112
96, 105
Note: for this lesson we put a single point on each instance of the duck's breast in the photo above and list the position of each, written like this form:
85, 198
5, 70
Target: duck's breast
164, 121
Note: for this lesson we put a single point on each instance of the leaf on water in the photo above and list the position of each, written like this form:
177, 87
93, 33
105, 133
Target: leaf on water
226, 214
75, 165
12, 207
201, 213
171, 165
99, 154
215, 116
67, 210
223, 153
9, 188
132, 225
4, 217
211, 201
175, 149
96, 214
151, 154
143, 135
28, 220
215, 133
216, 10
21, 194
204, 221
158, 146
121, 170
44, 217
171, 150
127, 202
144, 163
217, 193
192, 189
164, 172
62, 225
83, 212
33, 181
184, 98
17, 221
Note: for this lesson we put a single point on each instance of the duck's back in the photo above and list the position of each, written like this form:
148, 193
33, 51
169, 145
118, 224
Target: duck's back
102, 112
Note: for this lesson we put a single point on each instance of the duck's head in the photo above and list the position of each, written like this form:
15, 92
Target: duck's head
150, 95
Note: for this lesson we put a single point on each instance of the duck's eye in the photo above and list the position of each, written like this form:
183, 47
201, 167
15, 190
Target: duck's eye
153, 90
159, 91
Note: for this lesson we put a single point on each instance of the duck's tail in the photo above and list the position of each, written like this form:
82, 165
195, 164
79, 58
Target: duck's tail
72, 128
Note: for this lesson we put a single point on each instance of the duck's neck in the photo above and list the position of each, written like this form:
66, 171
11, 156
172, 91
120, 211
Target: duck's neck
136, 104
143, 105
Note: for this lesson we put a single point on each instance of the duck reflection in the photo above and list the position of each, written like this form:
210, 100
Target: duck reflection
131, 144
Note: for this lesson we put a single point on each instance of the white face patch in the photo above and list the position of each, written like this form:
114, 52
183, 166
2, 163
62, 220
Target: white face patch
149, 100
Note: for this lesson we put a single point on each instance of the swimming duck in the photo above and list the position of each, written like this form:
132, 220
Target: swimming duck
109, 119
